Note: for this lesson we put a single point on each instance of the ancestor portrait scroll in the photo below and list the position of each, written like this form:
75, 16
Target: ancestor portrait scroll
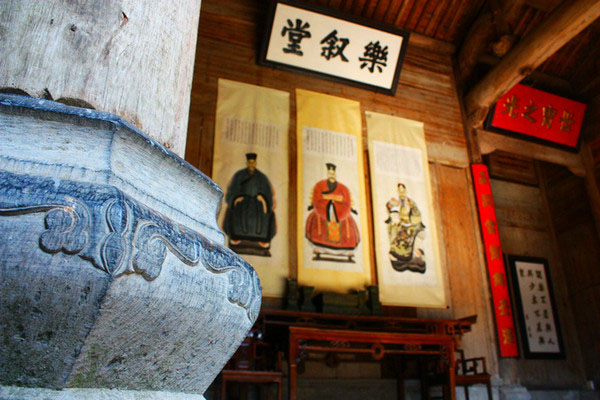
333, 236
408, 262
250, 163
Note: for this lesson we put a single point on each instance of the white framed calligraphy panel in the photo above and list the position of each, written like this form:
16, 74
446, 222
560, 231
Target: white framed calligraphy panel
540, 330
305, 37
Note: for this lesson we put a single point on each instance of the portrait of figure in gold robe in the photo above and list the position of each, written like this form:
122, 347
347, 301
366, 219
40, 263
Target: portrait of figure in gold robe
406, 232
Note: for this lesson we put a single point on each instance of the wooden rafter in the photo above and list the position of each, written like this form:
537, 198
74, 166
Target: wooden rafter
569, 19
558, 85
498, 20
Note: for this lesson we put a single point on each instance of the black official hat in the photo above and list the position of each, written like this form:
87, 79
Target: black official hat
330, 166
250, 156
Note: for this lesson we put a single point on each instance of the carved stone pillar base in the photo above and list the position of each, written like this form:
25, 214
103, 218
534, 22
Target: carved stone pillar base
113, 272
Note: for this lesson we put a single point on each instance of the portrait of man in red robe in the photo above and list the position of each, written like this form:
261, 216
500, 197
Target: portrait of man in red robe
330, 227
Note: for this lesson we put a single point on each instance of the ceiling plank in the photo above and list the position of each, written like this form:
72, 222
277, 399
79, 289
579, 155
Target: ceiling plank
591, 127
368, 12
589, 66
443, 29
436, 18
403, 13
415, 15
392, 11
544, 5
347, 6
569, 19
592, 86
358, 6
381, 10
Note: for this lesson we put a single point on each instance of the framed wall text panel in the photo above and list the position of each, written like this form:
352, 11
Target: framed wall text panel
540, 330
303, 37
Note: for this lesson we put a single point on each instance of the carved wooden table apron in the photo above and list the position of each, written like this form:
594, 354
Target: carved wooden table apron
304, 340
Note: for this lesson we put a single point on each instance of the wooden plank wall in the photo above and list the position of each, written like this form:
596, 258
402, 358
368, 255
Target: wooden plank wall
229, 36
579, 244
525, 229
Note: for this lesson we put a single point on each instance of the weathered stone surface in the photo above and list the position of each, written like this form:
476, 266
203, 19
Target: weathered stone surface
514, 392
14, 393
113, 272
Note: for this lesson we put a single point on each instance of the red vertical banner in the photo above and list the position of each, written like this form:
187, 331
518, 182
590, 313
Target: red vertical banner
505, 323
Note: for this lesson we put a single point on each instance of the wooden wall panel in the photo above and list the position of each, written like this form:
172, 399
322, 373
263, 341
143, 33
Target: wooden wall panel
462, 257
579, 244
227, 48
525, 229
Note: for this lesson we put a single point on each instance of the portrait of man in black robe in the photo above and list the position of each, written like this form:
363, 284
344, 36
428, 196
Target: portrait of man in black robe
249, 219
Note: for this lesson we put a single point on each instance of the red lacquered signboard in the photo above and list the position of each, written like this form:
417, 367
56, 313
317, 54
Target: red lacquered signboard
539, 116
505, 324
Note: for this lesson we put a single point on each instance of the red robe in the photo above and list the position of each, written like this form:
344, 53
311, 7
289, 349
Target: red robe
330, 223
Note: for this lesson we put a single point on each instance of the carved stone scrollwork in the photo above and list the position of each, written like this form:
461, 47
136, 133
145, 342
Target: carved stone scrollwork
100, 224
151, 251
113, 248
67, 229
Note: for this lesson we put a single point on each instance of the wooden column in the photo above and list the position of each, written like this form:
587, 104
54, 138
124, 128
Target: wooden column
130, 58
562, 25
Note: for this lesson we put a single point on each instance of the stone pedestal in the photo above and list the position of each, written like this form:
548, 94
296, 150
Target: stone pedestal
113, 271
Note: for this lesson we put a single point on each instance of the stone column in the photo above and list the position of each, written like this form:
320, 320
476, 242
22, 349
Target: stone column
114, 278
131, 58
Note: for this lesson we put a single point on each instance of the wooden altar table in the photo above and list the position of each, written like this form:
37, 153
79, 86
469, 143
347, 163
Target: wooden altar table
377, 344
376, 336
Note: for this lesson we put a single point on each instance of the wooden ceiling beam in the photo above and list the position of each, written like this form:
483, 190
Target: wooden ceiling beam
537, 78
475, 44
557, 29
497, 21
490, 142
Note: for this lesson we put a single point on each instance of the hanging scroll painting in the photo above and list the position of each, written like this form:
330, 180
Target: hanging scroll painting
333, 236
250, 164
408, 261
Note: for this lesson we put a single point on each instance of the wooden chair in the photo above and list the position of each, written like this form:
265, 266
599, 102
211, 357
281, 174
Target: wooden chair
472, 371
469, 371
254, 362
